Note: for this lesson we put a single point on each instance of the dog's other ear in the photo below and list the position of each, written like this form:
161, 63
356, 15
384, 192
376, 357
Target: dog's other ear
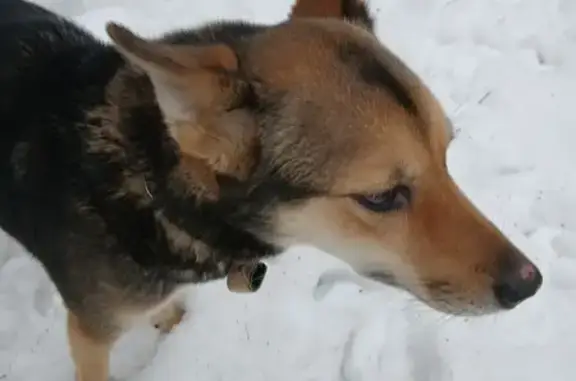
355, 11
176, 69
196, 87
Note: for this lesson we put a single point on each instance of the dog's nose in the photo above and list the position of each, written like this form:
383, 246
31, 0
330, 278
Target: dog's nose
517, 283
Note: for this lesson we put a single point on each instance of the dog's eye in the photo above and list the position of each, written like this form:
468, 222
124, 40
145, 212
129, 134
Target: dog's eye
391, 200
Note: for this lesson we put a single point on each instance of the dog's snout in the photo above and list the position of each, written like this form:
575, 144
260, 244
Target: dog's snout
516, 283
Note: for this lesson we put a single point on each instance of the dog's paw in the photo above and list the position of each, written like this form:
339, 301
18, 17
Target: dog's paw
168, 318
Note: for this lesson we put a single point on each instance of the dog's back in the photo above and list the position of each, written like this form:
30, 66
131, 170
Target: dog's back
33, 41
17, 11
50, 71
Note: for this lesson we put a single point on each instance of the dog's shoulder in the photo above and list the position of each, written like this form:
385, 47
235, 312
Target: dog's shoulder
51, 72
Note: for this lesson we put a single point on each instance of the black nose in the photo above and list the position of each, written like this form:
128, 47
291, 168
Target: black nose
517, 283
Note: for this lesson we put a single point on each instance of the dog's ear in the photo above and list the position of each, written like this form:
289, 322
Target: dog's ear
197, 88
355, 11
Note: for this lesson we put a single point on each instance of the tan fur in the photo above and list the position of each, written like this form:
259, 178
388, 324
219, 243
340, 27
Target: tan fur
169, 317
91, 340
193, 89
90, 351
441, 248
360, 138
353, 121
323, 8
441, 238
219, 142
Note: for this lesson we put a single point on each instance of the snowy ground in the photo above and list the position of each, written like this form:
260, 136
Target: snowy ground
505, 71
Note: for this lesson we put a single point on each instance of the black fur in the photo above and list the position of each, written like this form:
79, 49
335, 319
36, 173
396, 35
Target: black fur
59, 196
356, 10
376, 74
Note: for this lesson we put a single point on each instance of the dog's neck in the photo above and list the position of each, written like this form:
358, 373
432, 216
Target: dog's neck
204, 238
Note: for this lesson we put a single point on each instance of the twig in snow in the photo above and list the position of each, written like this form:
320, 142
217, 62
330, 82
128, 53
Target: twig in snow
484, 97
347, 358
247, 332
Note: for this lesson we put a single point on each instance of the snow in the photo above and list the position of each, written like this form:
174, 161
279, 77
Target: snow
505, 72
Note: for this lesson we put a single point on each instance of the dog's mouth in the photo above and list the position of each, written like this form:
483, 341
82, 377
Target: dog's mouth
439, 297
383, 277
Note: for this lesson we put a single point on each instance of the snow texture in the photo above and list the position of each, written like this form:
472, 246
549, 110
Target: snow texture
505, 71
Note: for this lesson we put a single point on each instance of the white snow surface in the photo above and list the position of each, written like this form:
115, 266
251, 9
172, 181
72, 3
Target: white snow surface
505, 71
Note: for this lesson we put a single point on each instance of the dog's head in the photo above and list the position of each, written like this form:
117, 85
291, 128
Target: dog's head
352, 144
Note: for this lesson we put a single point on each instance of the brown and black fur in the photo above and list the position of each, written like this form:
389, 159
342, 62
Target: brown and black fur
131, 170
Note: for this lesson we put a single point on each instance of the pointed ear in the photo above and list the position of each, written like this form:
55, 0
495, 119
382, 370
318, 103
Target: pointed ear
172, 69
195, 87
355, 11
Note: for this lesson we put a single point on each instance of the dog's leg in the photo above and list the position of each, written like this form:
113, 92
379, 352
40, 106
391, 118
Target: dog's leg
90, 349
169, 317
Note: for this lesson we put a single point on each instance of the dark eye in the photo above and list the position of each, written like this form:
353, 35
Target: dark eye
388, 201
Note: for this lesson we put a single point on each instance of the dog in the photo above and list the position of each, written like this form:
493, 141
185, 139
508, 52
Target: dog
135, 168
